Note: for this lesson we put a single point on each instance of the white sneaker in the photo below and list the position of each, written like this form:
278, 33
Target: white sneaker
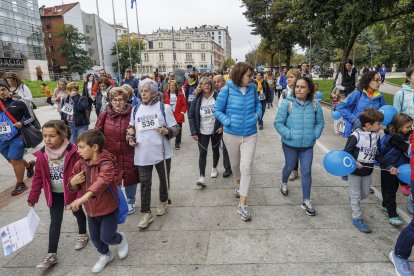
146, 220
214, 173
162, 208
104, 259
200, 182
131, 208
123, 247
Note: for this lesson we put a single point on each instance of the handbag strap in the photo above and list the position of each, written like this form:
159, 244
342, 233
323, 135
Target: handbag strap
7, 113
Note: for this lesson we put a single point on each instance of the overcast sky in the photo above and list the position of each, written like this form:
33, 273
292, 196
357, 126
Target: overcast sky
154, 14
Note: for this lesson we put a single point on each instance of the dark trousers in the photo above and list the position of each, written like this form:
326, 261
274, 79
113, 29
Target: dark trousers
49, 100
178, 137
145, 176
382, 78
389, 188
203, 141
226, 159
263, 112
56, 217
103, 231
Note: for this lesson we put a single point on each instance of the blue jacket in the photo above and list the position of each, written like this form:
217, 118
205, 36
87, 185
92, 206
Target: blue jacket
354, 105
282, 81
133, 82
237, 112
301, 126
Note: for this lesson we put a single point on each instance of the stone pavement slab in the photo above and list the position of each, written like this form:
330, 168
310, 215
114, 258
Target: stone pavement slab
202, 234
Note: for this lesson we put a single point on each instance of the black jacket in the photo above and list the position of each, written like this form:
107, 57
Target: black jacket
349, 81
194, 115
85, 92
266, 89
80, 107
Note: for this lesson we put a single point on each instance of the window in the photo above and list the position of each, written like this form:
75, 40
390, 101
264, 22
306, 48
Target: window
161, 55
91, 52
203, 56
188, 45
87, 29
174, 56
146, 56
160, 45
203, 46
188, 56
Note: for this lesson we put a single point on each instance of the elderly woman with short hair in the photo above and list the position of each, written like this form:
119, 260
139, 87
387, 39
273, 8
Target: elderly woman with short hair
152, 125
113, 123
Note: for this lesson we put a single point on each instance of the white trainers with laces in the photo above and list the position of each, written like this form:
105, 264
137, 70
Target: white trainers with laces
200, 182
214, 173
146, 220
131, 208
123, 247
104, 259
162, 208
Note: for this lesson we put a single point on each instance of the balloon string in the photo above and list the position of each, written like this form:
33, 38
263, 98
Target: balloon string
377, 168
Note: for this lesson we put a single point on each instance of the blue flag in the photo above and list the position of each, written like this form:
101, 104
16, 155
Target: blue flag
132, 3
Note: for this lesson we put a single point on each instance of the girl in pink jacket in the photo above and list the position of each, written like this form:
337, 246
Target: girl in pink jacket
54, 164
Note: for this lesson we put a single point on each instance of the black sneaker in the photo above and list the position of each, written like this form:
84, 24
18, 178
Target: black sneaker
19, 188
177, 147
30, 169
227, 173
307, 206
371, 191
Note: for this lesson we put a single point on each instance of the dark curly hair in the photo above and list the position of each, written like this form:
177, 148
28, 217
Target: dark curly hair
366, 78
104, 81
311, 86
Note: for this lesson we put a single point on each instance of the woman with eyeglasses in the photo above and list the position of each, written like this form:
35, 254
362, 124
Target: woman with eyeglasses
113, 123
75, 111
239, 109
367, 95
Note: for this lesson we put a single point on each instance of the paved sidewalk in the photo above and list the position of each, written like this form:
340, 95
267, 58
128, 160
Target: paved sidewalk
389, 88
203, 235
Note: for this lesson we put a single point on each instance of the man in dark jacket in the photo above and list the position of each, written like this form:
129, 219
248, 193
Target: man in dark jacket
132, 81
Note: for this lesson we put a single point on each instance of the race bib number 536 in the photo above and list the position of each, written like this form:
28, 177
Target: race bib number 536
148, 122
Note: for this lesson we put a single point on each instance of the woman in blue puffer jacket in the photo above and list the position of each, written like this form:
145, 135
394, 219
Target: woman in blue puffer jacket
366, 96
299, 121
238, 108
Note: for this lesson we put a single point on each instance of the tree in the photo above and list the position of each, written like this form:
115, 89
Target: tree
229, 62
344, 20
78, 58
124, 53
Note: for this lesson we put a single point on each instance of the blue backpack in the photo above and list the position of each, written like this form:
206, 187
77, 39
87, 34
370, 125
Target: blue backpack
392, 154
121, 203
7, 129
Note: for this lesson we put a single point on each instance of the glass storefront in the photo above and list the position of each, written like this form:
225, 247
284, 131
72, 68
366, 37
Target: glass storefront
21, 30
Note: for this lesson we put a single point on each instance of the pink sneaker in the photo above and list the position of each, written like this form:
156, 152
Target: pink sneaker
405, 189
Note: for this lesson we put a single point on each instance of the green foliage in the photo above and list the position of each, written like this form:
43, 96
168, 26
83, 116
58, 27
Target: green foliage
396, 81
124, 53
78, 58
36, 90
229, 62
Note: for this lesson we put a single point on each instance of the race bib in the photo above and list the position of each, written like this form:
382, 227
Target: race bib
270, 82
206, 111
191, 97
148, 122
173, 102
56, 173
262, 96
68, 109
5, 128
367, 155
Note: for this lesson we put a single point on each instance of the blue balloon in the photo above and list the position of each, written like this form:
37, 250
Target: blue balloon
339, 163
405, 173
319, 95
336, 115
389, 111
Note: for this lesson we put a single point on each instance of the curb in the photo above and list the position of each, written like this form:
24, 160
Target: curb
392, 84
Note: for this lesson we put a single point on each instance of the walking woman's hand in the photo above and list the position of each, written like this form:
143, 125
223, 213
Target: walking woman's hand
195, 137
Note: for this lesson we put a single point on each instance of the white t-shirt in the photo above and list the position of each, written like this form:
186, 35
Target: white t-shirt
56, 168
89, 87
173, 100
150, 142
207, 118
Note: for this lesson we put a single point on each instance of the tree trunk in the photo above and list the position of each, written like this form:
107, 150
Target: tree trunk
288, 57
345, 54
272, 55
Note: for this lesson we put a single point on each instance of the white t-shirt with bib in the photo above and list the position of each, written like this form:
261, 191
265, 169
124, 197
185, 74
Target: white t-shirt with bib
207, 119
150, 142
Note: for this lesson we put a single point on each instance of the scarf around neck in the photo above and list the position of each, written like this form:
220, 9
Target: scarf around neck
58, 153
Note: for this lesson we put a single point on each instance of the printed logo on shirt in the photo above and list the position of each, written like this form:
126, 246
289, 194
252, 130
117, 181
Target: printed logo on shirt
207, 110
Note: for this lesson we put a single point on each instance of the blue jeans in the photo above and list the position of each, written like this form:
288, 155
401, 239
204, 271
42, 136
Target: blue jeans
272, 95
263, 112
103, 231
305, 156
130, 192
405, 240
75, 131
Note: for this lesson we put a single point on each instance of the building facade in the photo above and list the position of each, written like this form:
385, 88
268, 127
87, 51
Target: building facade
53, 19
21, 39
167, 50
218, 34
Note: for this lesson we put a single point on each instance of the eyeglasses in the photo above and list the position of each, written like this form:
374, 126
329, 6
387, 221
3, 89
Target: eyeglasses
117, 100
376, 80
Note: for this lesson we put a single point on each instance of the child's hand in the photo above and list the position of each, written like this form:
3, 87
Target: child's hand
359, 165
31, 204
76, 205
78, 179
394, 171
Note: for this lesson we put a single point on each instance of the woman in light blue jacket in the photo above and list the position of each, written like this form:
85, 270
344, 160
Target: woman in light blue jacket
299, 121
238, 108
404, 98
